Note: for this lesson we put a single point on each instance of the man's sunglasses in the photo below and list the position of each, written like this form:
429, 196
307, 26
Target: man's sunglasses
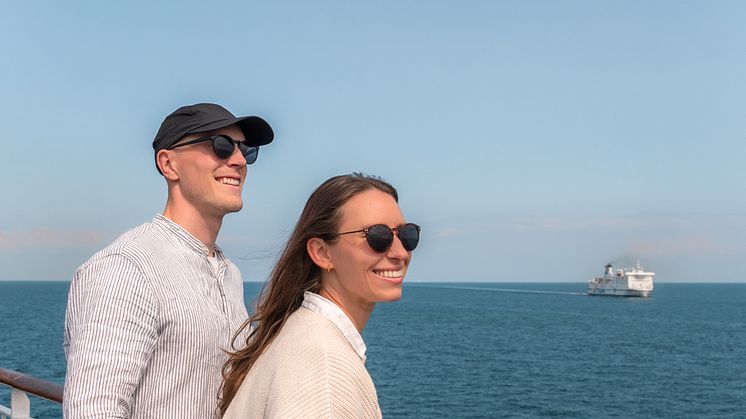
380, 236
223, 147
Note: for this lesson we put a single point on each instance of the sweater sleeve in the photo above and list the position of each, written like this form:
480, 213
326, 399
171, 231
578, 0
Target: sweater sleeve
323, 383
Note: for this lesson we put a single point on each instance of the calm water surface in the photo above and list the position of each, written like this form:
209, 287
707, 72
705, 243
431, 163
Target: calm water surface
496, 350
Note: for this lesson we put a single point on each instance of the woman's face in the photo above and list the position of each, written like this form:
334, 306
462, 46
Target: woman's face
362, 276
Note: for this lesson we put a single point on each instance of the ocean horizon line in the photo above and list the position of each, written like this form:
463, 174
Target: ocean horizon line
657, 282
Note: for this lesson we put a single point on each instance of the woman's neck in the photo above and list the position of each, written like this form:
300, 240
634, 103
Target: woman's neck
358, 313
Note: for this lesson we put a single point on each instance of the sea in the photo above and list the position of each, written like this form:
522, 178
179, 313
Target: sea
495, 350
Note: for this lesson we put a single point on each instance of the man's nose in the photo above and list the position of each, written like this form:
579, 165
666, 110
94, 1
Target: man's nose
236, 158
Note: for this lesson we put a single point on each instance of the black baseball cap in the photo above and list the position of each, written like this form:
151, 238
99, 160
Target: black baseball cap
203, 117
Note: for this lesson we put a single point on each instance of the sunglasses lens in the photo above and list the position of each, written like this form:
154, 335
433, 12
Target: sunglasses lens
409, 234
379, 238
223, 146
249, 153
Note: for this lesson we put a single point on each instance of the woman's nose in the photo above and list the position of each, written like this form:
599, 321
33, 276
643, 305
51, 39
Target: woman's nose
397, 250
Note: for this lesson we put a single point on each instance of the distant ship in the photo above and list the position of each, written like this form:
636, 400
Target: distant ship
630, 282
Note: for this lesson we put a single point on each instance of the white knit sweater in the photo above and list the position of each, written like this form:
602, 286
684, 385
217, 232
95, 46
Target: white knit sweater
310, 370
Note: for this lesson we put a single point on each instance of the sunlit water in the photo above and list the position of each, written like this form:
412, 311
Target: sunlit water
496, 350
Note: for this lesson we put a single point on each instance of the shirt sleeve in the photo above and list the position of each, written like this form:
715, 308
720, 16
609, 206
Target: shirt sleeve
110, 331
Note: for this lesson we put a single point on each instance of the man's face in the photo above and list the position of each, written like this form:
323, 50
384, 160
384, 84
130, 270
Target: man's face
211, 185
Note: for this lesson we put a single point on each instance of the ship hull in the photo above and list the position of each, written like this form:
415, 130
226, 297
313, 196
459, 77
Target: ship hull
613, 292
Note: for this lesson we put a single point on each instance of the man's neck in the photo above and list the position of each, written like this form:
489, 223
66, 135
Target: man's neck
204, 228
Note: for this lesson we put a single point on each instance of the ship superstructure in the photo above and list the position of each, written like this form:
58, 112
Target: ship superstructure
629, 282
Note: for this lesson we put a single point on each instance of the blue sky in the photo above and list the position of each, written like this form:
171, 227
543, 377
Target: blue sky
533, 141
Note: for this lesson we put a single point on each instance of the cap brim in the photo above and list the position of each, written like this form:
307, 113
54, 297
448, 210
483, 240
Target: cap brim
256, 130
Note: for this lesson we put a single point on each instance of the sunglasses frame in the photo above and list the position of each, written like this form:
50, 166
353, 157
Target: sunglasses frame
249, 149
394, 232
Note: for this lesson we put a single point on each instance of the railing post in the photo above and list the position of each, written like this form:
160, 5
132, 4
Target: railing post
21, 385
20, 407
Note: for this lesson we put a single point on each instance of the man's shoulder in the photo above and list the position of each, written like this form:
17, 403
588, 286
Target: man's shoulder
137, 241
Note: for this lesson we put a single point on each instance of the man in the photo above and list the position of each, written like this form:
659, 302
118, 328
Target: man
149, 316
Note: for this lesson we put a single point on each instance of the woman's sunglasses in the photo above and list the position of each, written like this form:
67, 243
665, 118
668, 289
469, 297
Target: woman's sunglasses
380, 236
223, 147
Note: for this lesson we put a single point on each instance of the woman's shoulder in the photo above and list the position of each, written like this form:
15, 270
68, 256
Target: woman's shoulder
308, 340
308, 330
324, 370
312, 371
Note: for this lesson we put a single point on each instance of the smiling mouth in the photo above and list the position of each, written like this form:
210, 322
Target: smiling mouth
229, 181
389, 274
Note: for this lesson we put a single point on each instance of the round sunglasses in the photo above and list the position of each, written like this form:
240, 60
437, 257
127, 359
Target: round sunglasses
380, 236
223, 147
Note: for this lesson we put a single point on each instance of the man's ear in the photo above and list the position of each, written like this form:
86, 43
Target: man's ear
167, 164
318, 251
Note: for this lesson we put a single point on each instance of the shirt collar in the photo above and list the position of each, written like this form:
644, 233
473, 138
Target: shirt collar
185, 236
331, 311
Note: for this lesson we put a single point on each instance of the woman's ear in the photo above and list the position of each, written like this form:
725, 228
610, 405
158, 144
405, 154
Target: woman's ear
318, 251
167, 165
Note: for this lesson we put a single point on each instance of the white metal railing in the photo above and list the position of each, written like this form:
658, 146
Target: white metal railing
20, 407
20, 384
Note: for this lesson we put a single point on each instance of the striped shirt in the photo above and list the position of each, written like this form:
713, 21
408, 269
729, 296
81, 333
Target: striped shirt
147, 321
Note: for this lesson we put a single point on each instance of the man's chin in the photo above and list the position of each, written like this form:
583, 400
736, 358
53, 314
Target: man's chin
232, 207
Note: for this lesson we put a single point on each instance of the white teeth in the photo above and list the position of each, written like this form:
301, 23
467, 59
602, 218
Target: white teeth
229, 181
389, 274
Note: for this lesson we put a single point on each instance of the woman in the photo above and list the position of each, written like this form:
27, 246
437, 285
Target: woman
305, 357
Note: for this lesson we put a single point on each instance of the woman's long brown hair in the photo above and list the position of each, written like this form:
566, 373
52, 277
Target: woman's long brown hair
294, 274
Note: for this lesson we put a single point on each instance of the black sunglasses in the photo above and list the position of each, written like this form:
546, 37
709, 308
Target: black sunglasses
380, 236
223, 147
